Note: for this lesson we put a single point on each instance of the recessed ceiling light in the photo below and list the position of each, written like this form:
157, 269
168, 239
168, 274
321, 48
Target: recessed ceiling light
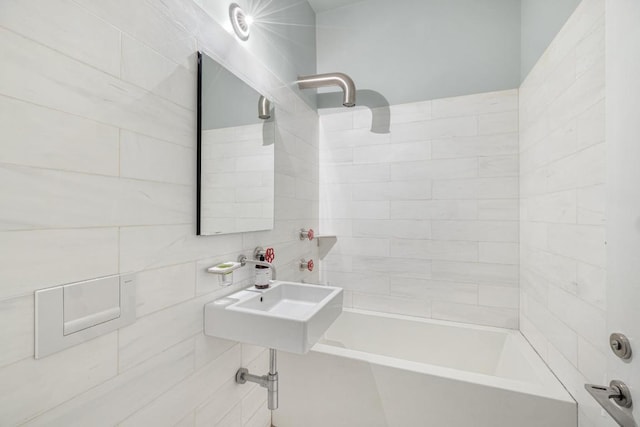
240, 21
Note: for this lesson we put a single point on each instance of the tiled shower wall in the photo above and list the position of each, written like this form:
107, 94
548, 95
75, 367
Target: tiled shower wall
425, 214
97, 176
562, 186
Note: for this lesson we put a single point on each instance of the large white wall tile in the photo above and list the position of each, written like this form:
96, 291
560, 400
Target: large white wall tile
448, 168
30, 387
562, 191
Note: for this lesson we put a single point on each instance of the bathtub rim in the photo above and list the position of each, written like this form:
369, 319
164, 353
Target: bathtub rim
550, 386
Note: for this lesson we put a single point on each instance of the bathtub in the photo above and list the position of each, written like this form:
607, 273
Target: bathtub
374, 369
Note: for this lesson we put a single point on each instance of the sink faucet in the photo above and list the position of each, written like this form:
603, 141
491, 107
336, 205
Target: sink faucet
243, 260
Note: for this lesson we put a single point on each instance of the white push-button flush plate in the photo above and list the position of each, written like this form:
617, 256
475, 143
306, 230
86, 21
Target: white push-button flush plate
70, 314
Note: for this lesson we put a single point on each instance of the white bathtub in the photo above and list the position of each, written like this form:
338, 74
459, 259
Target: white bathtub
375, 370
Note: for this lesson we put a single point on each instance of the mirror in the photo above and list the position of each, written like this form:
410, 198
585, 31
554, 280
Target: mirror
235, 154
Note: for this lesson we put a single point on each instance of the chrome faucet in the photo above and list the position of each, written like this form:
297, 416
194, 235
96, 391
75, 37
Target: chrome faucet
243, 260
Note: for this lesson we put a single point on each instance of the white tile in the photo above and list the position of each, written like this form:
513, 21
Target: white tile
30, 387
397, 190
145, 68
498, 166
433, 249
116, 399
336, 122
498, 253
408, 229
158, 331
581, 242
490, 102
591, 203
431, 169
497, 123
16, 316
475, 146
68, 28
161, 32
399, 152
501, 209
219, 405
498, 296
486, 231
434, 209
389, 304
157, 246
491, 316
41, 137
479, 273
476, 188
435, 290
69, 86
184, 397
63, 256
164, 287
79, 200
143, 157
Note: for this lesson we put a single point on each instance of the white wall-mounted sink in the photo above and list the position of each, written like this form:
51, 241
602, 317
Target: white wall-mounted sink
288, 316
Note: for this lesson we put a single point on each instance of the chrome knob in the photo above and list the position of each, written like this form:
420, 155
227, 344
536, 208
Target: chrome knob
620, 345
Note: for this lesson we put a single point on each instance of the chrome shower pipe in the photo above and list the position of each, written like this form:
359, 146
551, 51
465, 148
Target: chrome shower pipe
269, 381
331, 79
264, 108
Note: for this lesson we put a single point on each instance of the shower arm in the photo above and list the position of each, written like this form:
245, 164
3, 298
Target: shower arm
331, 79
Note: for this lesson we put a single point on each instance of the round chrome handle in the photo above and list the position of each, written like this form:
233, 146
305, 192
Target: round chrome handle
620, 345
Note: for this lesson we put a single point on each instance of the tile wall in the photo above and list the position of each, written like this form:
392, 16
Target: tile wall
562, 211
426, 215
97, 176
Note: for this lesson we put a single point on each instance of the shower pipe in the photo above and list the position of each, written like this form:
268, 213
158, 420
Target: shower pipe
331, 79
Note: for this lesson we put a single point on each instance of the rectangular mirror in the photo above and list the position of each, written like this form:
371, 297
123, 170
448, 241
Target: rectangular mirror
235, 154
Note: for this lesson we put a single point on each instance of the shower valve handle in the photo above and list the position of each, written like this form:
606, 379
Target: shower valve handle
306, 265
306, 234
269, 255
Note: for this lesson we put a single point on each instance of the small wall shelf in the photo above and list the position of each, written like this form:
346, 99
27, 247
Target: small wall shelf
325, 243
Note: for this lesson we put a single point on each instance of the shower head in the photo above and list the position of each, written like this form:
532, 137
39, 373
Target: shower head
331, 79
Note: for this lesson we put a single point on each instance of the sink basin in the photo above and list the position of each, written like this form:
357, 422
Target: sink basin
288, 316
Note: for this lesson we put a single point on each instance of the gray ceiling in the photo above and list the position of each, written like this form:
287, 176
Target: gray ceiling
323, 5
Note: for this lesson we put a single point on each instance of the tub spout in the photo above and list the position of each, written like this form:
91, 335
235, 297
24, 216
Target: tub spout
331, 79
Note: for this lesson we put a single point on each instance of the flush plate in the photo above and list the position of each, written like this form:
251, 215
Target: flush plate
70, 314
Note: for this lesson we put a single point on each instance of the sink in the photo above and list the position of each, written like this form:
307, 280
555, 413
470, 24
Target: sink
288, 316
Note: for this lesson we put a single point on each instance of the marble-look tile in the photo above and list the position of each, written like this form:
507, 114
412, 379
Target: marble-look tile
489, 274
17, 332
68, 28
147, 69
157, 246
480, 315
70, 86
219, 405
62, 257
389, 304
60, 199
147, 158
121, 396
475, 146
186, 396
41, 137
158, 331
164, 287
490, 102
30, 387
